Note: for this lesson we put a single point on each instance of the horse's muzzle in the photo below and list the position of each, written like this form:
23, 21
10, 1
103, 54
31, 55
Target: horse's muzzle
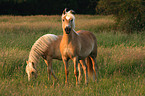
67, 30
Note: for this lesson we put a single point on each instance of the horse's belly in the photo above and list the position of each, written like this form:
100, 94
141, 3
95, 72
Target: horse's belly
86, 51
84, 55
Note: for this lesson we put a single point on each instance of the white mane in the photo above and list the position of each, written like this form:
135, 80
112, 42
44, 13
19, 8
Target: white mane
40, 46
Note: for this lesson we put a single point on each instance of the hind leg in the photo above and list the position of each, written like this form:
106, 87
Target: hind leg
49, 69
85, 70
93, 59
80, 73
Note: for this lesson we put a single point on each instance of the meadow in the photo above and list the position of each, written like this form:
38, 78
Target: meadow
121, 58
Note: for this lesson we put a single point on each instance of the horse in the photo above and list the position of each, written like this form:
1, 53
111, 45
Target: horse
77, 46
47, 47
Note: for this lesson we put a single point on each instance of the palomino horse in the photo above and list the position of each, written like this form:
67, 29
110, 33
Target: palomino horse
77, 46
47, 47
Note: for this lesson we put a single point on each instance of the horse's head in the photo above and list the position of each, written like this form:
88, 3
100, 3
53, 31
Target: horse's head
30, 70
68, 21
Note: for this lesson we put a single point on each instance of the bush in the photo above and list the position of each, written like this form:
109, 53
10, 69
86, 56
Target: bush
129, 14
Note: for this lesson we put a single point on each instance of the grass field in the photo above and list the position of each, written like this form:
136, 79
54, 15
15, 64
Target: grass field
121, 58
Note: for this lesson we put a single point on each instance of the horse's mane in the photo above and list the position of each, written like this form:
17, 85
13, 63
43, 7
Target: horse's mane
40, 46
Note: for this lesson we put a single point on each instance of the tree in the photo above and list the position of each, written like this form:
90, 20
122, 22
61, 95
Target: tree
130, 14
34, 7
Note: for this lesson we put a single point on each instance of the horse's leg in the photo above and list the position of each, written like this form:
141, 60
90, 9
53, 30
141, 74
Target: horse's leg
49, 69
65, 61
80, 73
85, 70
35, 74
75, 60
93, 59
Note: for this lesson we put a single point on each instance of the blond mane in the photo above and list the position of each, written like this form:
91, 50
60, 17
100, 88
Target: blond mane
40, 46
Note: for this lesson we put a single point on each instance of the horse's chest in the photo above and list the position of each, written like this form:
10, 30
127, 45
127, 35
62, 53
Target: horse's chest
68, 52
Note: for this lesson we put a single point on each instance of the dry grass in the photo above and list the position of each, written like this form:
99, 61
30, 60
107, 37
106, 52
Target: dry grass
31, 23
82, 23
121, 58
13, 54
121, 54
28, 23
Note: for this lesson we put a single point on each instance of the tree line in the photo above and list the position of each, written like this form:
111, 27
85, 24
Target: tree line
129, 14
46, 7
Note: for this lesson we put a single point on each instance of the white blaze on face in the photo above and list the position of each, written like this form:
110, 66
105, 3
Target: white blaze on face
67, 17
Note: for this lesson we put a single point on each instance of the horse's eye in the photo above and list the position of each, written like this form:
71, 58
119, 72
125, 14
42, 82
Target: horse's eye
63, 20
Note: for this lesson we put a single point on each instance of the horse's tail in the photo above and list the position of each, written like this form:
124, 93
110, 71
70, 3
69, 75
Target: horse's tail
90, 68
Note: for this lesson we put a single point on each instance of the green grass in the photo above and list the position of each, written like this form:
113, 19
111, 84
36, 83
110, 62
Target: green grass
121, 58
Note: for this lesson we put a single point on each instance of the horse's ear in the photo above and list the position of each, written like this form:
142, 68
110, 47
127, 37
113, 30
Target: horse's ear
27, 62
72, 11
64, 11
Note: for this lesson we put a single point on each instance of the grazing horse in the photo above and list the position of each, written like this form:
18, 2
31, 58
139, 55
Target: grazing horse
47, 47
77, 46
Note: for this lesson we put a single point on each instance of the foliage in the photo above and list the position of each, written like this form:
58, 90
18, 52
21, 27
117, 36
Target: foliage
130, 14
34, 7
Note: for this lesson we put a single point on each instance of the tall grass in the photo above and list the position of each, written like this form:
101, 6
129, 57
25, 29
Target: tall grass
121, 58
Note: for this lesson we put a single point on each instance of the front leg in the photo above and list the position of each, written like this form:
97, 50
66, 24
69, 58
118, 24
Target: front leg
75, 61
49, 69
65, 61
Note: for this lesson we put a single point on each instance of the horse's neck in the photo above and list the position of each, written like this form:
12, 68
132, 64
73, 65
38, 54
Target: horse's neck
33, 58
69, 37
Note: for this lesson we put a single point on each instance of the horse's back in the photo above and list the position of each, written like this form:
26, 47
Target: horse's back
56, 51
86, 34
53, 50
88, 42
